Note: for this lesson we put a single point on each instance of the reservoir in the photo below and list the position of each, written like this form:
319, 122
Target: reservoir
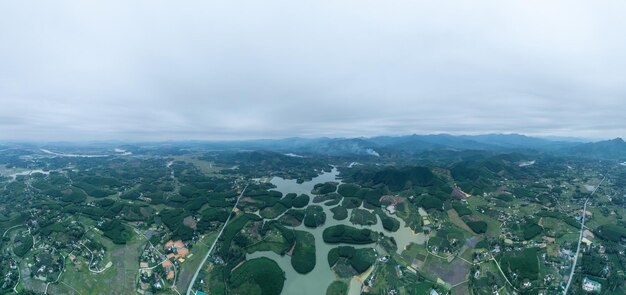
316, 281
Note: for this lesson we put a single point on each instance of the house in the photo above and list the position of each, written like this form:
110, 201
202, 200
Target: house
591, 285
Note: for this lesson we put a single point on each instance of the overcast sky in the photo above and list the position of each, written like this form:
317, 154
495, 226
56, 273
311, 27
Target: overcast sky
157, 70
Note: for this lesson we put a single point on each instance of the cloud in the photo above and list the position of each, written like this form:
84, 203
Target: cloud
152, 70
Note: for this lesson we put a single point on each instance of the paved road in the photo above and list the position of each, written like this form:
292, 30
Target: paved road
195, 276
580, 237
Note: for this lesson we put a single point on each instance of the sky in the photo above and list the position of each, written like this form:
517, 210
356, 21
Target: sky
214, 70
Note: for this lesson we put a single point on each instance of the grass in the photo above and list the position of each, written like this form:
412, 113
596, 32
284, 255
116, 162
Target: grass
569, 237
493, 226
207, 167
413, 250
456, 219
598, 218
468, 254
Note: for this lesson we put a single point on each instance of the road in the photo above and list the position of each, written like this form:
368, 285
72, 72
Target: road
507, 280
195, 276
10, 228
580, 237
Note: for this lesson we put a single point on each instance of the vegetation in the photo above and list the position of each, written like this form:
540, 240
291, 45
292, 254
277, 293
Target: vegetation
261, 274
187, 191
531, 230
22, 244
232, 229
479, 227
315, 216
462, 210
303, 256
325, 188
524, 264
273, 211
359, 259
173, 219
348, 190
337, 288
116, 231
396, 179
612, 232
301, 201
363, 217
560, 216
349, 235
339, 212
389, 223
293, 217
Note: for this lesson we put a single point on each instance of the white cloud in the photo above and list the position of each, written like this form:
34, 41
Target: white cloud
250, 69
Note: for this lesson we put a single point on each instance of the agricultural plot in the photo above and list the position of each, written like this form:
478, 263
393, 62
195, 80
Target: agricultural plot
452, 273
118, 279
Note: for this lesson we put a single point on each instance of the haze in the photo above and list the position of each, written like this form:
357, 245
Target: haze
157, 70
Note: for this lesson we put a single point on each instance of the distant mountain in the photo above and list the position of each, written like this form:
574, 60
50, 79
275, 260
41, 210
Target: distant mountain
392, 146
416, 143
518, 141
341, 146
433, 146
487, 142
614, 149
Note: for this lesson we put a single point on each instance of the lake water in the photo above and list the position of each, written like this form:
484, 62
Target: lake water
316, 281
14, 175
72, 155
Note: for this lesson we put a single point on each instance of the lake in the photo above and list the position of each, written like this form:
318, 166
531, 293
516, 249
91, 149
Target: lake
316, 281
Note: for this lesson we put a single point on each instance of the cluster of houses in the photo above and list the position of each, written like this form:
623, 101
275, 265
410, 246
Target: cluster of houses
157, 266
10, 270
